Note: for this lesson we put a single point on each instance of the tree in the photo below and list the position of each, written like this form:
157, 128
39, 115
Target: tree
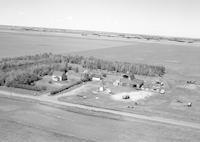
76, 69
64, 77
86, 77
64, 67
3, 77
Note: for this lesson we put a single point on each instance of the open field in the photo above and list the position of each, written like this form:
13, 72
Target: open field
102, 35
44, 123
29, 43
183, 59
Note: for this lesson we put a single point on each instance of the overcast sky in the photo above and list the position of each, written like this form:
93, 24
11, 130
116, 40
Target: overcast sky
158, 17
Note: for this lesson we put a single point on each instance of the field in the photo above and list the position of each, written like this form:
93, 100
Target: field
29, 121
28, 43
180, 59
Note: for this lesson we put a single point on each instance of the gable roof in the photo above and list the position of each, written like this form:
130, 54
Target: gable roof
57, 73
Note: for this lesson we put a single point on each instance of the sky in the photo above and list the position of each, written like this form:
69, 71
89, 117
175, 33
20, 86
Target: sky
155, 17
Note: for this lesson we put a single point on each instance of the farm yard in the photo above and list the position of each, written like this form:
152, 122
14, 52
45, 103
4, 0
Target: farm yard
171, 104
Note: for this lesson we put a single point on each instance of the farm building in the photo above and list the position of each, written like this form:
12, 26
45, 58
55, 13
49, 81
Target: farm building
116, 83
96, 77
101, 89
58, 76
136, 83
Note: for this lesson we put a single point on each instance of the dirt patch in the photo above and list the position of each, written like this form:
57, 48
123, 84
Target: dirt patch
189, 86
133, 96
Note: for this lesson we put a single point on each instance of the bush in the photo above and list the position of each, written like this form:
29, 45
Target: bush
26, 78
3, 77
64, 77
64, 67
42, 70
76, 70
86, 77
104, 75
69, 67
28, 87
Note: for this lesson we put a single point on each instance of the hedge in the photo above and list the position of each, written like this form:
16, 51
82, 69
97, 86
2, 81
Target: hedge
65, 87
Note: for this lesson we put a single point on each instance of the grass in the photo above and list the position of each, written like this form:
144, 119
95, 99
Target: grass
19, 91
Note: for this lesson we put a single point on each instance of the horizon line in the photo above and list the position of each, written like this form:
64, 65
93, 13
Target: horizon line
150, 35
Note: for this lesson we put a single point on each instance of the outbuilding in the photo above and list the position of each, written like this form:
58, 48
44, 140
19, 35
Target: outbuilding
96, 77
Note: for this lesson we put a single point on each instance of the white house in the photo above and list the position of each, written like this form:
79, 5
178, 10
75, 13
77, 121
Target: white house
116, 83
57, 76
96, 77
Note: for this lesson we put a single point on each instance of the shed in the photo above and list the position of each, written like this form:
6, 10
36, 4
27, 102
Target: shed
96, 77
101, 89
116, 83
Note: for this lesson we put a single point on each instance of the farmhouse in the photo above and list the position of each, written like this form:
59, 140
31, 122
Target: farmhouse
116, 83
58, 76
